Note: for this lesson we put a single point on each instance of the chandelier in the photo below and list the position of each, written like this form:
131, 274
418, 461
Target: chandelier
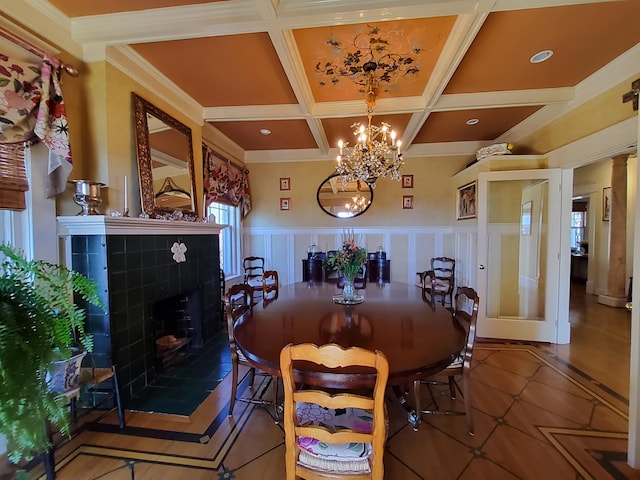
376, 152
357, 204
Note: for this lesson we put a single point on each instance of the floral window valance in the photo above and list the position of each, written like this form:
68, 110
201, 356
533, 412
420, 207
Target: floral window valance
225, 182
31, 108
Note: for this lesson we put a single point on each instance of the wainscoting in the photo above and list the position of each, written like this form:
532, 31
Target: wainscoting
409, 249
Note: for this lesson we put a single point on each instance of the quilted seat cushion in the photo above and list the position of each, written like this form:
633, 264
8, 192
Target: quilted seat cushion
351, 457
440, 285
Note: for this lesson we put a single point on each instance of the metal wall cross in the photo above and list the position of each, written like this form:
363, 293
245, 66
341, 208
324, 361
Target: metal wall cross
632, 95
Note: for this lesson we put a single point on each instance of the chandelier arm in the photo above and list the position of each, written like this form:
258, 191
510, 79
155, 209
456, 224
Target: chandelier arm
371, 157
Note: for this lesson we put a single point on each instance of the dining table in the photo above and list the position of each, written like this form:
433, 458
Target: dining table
419, 337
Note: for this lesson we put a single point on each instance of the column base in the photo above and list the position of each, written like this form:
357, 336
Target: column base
618, 302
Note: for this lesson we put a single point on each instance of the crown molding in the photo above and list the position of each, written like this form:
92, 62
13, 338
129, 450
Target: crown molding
443, 149
466, 101
170, 23
221, 143
615, 140
137, 68
50, 23
253, 112
287, 156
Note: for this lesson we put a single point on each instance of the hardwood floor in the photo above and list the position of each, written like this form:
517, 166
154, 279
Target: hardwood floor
541, 411
600, 339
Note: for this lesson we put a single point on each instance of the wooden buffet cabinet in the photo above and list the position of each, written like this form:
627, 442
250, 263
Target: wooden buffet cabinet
378, 268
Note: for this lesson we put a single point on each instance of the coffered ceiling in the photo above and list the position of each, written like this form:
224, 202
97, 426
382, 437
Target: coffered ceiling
294, 67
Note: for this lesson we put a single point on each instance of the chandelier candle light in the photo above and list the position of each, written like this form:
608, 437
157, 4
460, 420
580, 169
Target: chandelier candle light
358, 204
376, 152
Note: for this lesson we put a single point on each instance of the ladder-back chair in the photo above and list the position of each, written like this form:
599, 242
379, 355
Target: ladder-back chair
333, 435
238, 302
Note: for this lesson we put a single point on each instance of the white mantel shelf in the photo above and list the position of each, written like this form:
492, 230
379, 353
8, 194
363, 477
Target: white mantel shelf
106, 225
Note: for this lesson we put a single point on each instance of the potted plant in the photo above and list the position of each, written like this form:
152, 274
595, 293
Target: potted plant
39, 325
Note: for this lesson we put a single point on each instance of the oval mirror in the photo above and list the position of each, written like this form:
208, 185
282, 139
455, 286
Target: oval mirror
165, 161
344, 200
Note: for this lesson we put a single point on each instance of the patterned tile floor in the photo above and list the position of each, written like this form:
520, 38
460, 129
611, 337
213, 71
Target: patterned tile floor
535, 418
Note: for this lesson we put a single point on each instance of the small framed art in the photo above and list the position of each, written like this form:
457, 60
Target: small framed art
466, 201
285, 183
407, 181
606, 204
285, 203
407, 201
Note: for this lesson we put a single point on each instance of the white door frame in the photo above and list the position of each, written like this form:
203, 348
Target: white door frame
551, 329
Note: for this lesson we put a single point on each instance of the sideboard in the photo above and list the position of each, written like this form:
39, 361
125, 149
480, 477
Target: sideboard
378, 268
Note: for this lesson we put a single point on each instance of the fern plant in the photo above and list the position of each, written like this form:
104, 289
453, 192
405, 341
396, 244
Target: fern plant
39, 324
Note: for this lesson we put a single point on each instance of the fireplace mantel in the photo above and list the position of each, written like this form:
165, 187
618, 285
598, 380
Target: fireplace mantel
106, 225
133, 263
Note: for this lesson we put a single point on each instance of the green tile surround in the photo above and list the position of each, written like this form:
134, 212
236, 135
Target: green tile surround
133, 272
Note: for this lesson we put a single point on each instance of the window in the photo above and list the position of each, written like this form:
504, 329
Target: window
229, 237
578, 229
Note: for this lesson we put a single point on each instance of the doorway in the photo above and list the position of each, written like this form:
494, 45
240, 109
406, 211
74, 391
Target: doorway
579, 240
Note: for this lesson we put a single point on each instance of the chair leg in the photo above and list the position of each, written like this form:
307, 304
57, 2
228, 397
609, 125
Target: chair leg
452, 388
234, 384
417, 405
252, 376
276, 405
467, 402
116, 389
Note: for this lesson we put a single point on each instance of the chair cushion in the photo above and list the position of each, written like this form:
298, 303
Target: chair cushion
255, 282
441, 286
351, 457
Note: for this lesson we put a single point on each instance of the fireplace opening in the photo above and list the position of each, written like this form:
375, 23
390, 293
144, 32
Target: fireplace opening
177, 327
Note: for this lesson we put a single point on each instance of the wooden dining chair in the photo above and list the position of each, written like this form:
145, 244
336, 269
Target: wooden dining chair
465, 316
333, 435
270, 285
440, 280
253, 270
238, 302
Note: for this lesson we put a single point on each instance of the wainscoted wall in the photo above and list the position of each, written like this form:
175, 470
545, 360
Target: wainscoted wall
408, 248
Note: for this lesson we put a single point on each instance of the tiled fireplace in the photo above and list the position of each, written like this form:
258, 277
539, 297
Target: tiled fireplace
135, 268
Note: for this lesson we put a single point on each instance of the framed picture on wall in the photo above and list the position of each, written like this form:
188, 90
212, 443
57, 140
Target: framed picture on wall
284, 203
407, 201
466, 201
407, 181
606, 204
285, 183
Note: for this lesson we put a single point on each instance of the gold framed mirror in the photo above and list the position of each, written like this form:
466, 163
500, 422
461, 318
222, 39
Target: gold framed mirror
344, 200
164, 149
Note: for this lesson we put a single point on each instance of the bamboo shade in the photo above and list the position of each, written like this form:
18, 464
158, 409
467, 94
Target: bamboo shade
13, 177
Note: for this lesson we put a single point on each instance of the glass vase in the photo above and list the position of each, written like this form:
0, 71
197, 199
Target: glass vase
348, 291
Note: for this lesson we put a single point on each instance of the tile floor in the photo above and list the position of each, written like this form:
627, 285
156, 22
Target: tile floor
538, 415
182, 387
534, 419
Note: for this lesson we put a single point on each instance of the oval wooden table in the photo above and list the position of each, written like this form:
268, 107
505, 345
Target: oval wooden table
418, 339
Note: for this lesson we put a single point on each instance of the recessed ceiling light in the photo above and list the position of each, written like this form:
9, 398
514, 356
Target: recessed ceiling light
541, 56
473, 121
265, 131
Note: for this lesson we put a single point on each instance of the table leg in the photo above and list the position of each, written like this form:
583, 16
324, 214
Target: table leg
401, 395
